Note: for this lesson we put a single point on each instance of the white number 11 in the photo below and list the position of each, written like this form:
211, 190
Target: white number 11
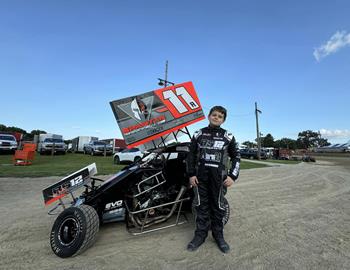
178, 104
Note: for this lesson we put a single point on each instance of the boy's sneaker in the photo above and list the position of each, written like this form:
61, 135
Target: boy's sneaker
223, 246
195, 243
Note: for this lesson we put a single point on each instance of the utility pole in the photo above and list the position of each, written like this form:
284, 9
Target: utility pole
165, 82
166, 74
257, 129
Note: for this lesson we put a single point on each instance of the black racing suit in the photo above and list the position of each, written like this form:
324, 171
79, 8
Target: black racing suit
208, 159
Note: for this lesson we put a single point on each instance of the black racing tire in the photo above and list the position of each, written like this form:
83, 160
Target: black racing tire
226, 215
116, 160
92, 153
74, 231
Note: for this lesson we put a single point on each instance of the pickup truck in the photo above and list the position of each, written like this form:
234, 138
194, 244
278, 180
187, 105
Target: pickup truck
252, 154
98, 148
8, 143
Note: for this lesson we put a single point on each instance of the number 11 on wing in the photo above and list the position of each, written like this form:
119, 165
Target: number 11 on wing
177, 102
180, 99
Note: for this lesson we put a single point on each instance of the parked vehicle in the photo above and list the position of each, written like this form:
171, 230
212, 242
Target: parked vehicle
252, 154
78, 143
51, 142
98, 148
148, 192
268, 151
8, 143
334, 148
132, 155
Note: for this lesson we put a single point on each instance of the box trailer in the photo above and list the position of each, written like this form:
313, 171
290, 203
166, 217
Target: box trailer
79, 142
117, 144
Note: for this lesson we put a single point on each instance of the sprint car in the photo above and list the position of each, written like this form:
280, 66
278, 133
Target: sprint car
148, 195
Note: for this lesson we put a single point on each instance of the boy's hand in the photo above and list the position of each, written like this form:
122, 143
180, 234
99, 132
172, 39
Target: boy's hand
228, 181
193, 181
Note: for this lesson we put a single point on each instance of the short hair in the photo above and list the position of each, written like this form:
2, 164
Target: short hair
219, 109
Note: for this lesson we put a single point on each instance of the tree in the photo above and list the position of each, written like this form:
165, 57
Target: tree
30, 136
37, 132
309, 138
323, 142
267, 141
3, 127
286, 143
12, 129
249, 144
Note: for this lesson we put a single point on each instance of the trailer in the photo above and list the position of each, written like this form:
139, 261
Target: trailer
79, 142
51, 143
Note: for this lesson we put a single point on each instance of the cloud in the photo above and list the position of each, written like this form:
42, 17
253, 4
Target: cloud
339, 40
337, 133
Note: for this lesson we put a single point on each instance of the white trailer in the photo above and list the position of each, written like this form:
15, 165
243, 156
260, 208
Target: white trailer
42, 137
51, 142
79, 142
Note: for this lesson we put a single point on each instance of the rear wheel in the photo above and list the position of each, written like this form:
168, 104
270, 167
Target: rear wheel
116, 160
136, 159
74, 231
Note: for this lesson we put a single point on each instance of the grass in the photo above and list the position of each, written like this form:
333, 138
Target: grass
61, 165
283, 161
58, 165
251, 165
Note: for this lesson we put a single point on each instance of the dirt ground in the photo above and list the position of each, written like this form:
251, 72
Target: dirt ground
285, 217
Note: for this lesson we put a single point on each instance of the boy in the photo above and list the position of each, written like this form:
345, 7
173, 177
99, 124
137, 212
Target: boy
206, 166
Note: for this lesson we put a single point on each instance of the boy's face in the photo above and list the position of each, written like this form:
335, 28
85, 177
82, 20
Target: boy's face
216, 118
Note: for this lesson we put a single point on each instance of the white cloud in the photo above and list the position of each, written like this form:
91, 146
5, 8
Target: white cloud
337, 133
339, 40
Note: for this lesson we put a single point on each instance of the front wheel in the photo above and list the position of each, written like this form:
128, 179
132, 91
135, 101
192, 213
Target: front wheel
74, 231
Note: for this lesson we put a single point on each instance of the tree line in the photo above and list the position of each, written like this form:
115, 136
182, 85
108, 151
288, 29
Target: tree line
27, 136
306, 139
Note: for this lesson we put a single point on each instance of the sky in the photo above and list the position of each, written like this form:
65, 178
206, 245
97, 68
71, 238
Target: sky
62, 62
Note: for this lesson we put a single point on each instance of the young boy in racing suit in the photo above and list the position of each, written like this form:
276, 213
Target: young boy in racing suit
206, 166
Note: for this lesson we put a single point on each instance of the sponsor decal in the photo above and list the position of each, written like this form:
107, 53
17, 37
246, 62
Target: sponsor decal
154, 114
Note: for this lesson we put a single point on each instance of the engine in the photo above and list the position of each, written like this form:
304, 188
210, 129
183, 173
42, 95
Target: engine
151, 199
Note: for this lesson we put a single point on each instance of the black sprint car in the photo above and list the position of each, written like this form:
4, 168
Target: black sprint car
144, 194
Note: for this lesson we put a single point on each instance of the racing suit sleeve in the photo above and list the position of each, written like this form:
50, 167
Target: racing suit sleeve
192, 157
235, 156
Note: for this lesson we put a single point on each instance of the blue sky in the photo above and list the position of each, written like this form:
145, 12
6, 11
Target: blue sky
62, 62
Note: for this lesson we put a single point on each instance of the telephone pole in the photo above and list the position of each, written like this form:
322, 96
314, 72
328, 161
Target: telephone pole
257, 128
165, 82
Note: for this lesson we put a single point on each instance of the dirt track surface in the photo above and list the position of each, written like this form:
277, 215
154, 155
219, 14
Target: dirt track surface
287, 217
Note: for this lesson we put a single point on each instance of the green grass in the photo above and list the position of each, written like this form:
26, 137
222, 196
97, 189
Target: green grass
61, 165
283, 161
58, 165
251, 165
